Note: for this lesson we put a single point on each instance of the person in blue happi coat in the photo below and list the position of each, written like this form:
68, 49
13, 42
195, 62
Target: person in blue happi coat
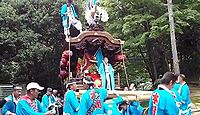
174, 91
184, 91
162, 102
71, 102
106, 72
28, 104
92, 100
9, 107
111, 106
47, 99
176, 85
132, 108
69, 18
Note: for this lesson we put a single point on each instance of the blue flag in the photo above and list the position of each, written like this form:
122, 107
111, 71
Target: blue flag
99, 57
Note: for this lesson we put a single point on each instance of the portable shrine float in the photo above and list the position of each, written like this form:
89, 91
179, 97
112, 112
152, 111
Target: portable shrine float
84, 50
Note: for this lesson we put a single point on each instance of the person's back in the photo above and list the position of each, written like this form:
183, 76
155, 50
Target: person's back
92, 102
111, 106
162, 103
71, 104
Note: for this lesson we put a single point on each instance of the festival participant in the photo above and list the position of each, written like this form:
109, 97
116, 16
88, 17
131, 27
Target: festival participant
9, 107
184, 91
90, 4
71, 103
162, 101
69, 17
94, 13
106, 72
47, 99
28, 104
54, 95
133, 108
92, 100
111, 106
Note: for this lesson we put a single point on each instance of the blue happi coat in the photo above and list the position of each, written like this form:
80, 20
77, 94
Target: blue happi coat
25, 107
176, 86
134, 108
47, 101
64, 16
87, 98
162, 102
9, 106
111, 107
184, 92
71, 104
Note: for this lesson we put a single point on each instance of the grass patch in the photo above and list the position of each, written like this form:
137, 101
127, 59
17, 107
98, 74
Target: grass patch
196, 99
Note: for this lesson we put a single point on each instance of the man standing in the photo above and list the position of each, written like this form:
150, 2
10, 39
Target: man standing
28, 104
106, 72
47, 99
162, 101
54, 95
69, 17
71, 104
92, 100
9, 107
184, 91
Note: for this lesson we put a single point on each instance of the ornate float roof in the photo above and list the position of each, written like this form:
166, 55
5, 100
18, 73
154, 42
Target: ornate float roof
96, 38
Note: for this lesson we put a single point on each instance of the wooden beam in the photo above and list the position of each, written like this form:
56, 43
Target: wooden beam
130, 95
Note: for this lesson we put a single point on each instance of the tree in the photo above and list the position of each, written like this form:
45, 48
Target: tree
144, 26
31, 40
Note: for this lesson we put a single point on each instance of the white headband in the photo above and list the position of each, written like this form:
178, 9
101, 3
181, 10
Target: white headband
87, 82
70, 84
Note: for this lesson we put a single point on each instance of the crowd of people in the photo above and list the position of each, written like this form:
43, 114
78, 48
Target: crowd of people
171, 97
95, 101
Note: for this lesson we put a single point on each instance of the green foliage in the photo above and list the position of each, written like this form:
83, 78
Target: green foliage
144, 23
29, 35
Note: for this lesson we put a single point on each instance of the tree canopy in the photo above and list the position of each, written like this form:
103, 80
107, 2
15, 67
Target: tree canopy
31, 37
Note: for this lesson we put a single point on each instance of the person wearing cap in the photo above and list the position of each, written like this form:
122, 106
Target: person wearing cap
71, 103
106, 72
92, 100
184, 91
28, 104
47, 99
162, 102
9, 107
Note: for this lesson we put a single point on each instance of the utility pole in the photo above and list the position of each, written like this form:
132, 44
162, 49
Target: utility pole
173, 39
